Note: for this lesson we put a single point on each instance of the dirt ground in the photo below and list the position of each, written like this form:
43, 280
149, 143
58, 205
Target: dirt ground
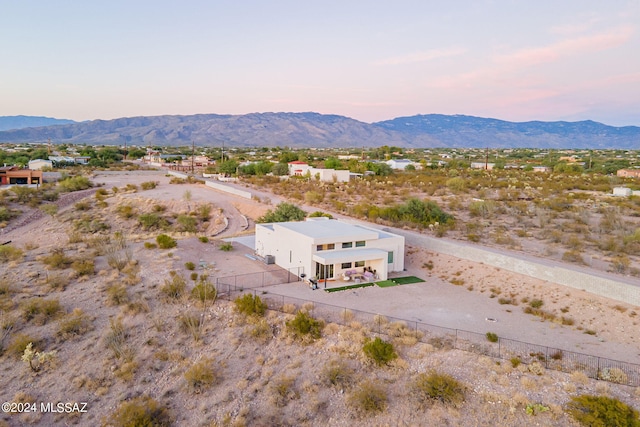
456, 294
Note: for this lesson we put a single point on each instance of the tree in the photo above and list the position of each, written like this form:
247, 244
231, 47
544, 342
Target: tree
280, 169
228, 167
284, 212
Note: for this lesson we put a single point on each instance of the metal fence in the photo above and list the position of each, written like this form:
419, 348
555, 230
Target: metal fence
440, 337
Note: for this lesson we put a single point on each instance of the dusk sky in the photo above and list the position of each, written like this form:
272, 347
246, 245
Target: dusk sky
368, 60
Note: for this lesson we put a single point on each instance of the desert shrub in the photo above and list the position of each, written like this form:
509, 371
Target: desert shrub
116, 339
261, 331
141, 411
131, 187
19, 343
437, 387
82, 205
615, 375
74, 183
338, 374
573, 255
192, 324
150, 245
515, 361
368, 398
194, 276
117, 294
84, 267
282, 391
41, 310
151, 221
491, 337
149, 185
57, 259
76, 323
602, 411
166, 242
10, 253
380, 351
190, 265
126, 211
174, 286
226, 247
117, 251
304, 328
204, 212
204, 291
6, 214
200, 375
203, 239
536, 303
57, 281
50, 210
250, 305
187, 223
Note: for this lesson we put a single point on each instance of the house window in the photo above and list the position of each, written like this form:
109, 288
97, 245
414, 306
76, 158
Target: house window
359, 263
390, 257
319, 248
360, 244
331, 246
346, 265
347, 245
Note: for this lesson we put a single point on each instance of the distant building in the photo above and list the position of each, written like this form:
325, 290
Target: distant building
628, 173
13, 175
482, 165
38, 164
622, 192
541, 169
298, 168
399, 164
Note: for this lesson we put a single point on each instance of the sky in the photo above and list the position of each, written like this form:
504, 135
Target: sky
370, 60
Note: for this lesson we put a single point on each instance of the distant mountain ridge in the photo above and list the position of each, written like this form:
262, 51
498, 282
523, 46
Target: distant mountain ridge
322, 130
21, 122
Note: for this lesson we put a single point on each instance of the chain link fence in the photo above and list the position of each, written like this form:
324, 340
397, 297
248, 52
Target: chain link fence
438, 336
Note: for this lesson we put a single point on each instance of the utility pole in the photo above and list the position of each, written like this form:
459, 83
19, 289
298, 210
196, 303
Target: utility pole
486, 160
193, 148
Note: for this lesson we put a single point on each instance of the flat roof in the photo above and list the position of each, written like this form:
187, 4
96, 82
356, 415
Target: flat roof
349, 255
330, 230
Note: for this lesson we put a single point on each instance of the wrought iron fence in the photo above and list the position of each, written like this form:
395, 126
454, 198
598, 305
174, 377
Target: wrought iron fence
440, 337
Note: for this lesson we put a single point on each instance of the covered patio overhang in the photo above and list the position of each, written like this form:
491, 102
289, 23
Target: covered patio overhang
374, 258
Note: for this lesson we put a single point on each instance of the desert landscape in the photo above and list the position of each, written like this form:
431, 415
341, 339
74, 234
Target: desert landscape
124, 328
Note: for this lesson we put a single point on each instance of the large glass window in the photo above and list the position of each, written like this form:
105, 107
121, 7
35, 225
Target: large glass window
390, 257
360, 243
331, 246
319, 248
347, 245
359, 263
346, 265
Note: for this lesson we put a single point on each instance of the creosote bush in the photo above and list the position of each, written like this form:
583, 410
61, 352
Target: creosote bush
305, 328
10, 253
437, 387
41, 310
204, 291
141, 411
368, 398
492, 337
166, 242
250, 305
200, 375
338, 374
174, 287
76, 323
602, 411
380, 351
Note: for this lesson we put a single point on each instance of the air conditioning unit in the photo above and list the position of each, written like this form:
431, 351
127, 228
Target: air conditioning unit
269, 259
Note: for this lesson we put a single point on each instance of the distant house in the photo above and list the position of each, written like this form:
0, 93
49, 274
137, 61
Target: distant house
622, 192
399, 164
298, 168
628, 173
482, 165
330, 249
541, 169
13, 175
38, 164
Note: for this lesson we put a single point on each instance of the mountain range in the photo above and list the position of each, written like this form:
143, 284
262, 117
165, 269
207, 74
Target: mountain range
321, 131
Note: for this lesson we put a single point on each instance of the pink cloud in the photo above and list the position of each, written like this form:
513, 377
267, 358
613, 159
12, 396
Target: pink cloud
416, 57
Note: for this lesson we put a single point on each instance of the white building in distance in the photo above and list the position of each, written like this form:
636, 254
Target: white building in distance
331, 249
298, 168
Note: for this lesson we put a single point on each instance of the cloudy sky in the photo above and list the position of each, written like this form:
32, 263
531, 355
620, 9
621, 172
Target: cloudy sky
370, 60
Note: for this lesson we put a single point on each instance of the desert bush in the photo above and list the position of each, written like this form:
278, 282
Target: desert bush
50, 210
226, 247
117, 251
126, 211
187, 223
204, 212
190, 265
141, 411
200, 375
174, 287
338, 374
491, 337
204, 291
282, 391
536, 303
41, 310
131, 187
304, 328
515, 361
7, 214
602, 411
149, 185
82, 205
615, 375
152, 221
166, 242
191, 323
84, 267
10, 253
19, 343
203, 239
368, 398
117, 294
250, 305
74, 183
573, 255
116, 339
76, 323
57, 259
150, 245
380, 351
57, 281
437, 387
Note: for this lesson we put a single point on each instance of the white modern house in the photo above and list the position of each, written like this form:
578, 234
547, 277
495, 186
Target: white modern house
331, 249
298, 168
400, 164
